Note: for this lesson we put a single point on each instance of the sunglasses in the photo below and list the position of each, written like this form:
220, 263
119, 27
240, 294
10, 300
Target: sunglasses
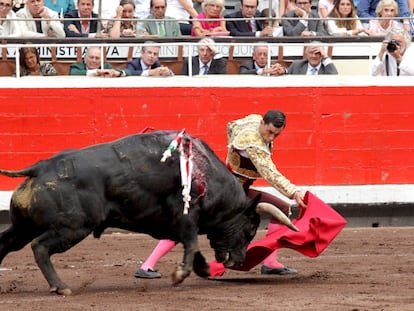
7, 5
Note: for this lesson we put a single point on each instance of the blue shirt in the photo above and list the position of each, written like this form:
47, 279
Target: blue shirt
61, 6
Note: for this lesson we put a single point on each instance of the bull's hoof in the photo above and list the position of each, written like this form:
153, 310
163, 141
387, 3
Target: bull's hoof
178, 276
61, 291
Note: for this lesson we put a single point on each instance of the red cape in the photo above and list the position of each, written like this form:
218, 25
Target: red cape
318, 226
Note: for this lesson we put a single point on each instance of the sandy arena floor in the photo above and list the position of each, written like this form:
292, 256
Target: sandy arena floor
363, 269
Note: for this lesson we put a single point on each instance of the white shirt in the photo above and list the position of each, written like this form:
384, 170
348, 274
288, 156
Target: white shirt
176, 10
10, 27
406, 67
264, 4
334, 30
142, 8
28, 25
108, 9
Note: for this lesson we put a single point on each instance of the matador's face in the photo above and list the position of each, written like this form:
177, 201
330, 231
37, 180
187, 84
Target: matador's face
269, 132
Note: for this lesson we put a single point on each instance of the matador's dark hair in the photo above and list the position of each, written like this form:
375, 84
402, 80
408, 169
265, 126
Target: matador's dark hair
275, 117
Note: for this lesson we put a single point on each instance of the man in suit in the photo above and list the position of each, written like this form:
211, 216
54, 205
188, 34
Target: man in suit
208, 61
250, 27
258, 65
306, 26
91, 66
316, 63
82, 28
39, 21
164, 26
148, 64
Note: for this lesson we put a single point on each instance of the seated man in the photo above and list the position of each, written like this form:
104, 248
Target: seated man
316, 63
208, 61
306, 26
148, 64
396, 55
249, 27
82, 28
39, 21
164, 26
91, 66
258, 64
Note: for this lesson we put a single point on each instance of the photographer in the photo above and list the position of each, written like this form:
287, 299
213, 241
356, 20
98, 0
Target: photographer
396, 57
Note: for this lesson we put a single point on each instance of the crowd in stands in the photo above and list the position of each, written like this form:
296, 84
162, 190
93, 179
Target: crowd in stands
152, 18
208, 18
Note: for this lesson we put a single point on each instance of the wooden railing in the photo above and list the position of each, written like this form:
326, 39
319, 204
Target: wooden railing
280, 50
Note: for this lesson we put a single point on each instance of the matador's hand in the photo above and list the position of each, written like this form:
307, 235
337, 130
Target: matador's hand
298, 197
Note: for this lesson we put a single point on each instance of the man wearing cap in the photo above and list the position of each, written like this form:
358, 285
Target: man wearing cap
208, 61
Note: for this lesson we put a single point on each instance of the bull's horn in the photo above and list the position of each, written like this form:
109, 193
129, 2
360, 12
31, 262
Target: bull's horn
277, 213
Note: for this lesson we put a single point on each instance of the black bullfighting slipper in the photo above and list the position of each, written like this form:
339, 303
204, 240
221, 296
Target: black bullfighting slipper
147, 274
278, 271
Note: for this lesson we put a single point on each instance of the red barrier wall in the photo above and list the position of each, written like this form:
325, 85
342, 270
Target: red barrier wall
334, 135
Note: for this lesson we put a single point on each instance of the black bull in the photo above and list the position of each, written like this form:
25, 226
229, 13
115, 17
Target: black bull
123, 184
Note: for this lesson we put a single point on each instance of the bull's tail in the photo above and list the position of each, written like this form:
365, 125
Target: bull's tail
26, 172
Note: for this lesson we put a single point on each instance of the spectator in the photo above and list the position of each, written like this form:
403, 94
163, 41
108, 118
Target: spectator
208, 61
88, 26
385, 9
316, 63
182, 10
166, 26
60, 6
411, 10
211, 9
30, 65
325, 7
142, 8
279, 7
39, 21
396, 56
123, 28
107, 9
91, 66
250, 27
9, 27
307, 25
259, 63
148, 65
367, 10
269, 19
346, 22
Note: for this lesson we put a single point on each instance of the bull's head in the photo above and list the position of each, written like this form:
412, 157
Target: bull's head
233, 236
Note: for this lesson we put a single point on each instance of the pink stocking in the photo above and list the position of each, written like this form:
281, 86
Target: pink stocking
163, 247
271, 261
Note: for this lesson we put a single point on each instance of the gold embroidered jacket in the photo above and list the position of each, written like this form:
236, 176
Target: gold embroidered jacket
250, 157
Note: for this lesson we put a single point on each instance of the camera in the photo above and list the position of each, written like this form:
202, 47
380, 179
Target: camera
392, 46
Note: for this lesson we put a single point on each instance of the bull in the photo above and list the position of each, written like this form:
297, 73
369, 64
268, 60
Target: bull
123, 184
